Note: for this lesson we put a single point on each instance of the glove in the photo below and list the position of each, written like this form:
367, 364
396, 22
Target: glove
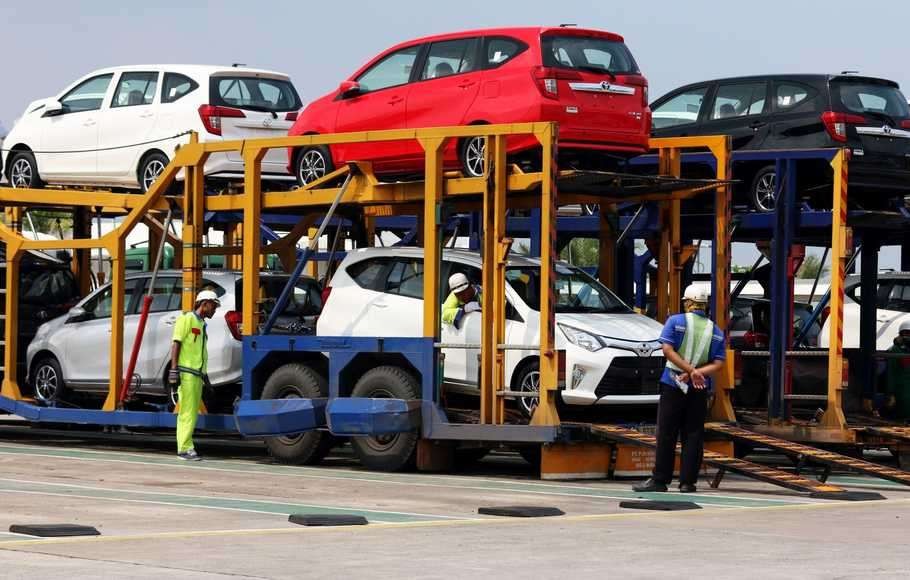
471, 307
173, 377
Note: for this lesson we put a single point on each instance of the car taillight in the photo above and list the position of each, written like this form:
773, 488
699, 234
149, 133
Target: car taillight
326, 292
547, 80
755, 339
211, 117
905, 124
234, 321
291, 116
644, 96
836, 124
826, 311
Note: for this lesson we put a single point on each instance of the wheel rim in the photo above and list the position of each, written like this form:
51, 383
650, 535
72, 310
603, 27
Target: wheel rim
530, 383
312, 166
21, 174
152, 170
381, 443
47, 383
765, 192
289, 392
474, 153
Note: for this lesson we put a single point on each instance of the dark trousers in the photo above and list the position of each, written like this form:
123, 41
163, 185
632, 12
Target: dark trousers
680, 416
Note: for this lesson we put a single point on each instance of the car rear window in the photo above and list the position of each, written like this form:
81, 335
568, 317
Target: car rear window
254, 93
587, 53
871, 99
306, 300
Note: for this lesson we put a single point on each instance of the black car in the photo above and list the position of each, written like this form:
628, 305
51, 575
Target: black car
870, 116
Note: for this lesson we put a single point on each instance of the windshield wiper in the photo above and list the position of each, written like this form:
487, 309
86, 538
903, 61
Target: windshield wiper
880, 115
598, 70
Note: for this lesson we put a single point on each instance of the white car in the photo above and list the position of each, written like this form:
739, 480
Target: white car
119, 126
612, 354
70, 353
893, 307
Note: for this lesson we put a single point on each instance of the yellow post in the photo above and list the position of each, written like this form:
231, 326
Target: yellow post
193, 225
252, 215
840, 250
546, 413
432, 226
312, 267
10, 387
116, 249
500, 190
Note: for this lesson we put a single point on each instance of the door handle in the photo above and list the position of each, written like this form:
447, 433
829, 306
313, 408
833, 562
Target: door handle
379, 305
757, 125
89, 123
395, 100
467, 84
146, 115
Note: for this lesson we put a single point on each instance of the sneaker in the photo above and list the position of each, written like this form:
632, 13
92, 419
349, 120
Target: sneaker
687, 488
189, 455
650, 486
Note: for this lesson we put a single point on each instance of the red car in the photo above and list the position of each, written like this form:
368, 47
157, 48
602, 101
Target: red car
586, 80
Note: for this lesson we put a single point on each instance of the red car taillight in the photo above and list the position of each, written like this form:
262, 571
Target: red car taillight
211, 117
644, 96
755, 339
326, 292
291, 116
234, 321
547, 80
836, 124
905, 124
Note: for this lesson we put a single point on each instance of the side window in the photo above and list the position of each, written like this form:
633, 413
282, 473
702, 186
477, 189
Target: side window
135, 88
391, 71
176, 86
166, 294
739, 100
788, 96
366, 274
406, 278
501, 50
899, 298
683, 109
100, 306
88, 95
449, 58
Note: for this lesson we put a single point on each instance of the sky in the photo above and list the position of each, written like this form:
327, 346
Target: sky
50, 44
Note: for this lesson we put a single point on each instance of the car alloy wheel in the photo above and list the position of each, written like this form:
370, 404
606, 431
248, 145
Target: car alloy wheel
150, 173
530, 383
765, 192
474, 151
47, 383
312, 166
21, 173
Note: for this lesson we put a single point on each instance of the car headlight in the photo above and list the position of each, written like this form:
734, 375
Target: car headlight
585, 340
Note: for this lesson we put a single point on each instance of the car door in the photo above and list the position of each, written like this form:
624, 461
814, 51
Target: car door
739, 109
461, 364
69, 137
130, 119
379, 104
678, 114
86, 343
893, 309
795, 119
447, 84
397, 310
159, 329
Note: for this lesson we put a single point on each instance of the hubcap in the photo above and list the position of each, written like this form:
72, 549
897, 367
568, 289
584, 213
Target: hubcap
473, 156
312, 166
21, 173
46, 383
765, 192
152, 170
529, 384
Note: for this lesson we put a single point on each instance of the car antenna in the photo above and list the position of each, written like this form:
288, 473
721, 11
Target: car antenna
238, 64
568, 25
849, 72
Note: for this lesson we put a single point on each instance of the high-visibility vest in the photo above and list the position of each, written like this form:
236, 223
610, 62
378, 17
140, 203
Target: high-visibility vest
696, 344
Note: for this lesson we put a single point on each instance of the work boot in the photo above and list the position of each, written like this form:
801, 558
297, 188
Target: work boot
189, 455
687, 488
650, 486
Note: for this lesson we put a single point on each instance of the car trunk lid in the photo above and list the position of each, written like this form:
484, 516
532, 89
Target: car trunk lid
875, 115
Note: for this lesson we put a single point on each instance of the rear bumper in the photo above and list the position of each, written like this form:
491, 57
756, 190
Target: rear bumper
880, 173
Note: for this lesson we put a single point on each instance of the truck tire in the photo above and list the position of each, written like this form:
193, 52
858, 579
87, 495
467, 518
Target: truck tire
396, 452
297, 381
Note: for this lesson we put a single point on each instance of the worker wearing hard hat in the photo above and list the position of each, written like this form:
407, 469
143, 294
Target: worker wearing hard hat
899, 374
189, 359
694, 348
463, 299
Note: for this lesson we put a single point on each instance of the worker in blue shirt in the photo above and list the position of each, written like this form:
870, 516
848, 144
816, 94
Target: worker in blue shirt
694, 348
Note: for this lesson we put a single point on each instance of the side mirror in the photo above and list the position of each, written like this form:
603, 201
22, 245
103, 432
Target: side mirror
348, 88
53, 107
77, 314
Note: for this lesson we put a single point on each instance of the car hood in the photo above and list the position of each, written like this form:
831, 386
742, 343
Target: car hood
631, 326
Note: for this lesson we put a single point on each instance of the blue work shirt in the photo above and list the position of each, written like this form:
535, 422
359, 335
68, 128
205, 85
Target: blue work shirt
672, 334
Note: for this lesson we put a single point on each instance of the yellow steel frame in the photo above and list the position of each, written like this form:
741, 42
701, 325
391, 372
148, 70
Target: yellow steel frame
497, 191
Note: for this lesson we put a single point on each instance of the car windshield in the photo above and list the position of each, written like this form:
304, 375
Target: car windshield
254, 93
873, 99
587, 53
305, 300
576, 291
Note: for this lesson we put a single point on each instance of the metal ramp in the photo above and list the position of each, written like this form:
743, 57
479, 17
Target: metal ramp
901, 434
723, 463
806, 454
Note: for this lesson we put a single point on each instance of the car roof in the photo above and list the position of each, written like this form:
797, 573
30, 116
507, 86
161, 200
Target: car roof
796, 77
853, 279
194, 69
213, 273
459, 255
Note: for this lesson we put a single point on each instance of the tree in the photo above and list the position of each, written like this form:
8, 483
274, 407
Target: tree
811, 267
582, 252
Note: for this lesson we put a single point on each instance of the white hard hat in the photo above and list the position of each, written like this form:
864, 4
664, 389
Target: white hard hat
904, 327
696, 294
207, 295
458, 282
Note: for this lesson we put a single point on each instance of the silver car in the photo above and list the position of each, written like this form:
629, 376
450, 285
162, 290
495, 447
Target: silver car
70, 353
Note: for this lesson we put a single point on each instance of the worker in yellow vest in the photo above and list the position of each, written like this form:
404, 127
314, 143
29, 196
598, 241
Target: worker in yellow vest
189, 358
694, 349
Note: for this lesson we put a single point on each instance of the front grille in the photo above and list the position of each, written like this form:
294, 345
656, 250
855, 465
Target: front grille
629, 375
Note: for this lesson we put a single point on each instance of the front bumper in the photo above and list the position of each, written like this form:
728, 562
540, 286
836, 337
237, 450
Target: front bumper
612, 377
